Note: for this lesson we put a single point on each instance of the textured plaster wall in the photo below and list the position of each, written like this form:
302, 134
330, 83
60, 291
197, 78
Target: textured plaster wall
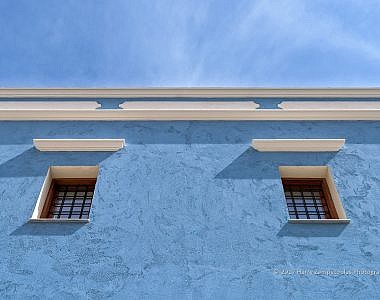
188, 211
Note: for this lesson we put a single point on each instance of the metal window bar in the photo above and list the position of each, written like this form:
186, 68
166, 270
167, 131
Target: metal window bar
82, 208
71, 201
306, 201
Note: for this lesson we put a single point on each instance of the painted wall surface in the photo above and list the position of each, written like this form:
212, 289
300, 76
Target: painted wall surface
189, 211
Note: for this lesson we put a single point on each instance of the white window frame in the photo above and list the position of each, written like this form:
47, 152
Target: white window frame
56, 172
301, 172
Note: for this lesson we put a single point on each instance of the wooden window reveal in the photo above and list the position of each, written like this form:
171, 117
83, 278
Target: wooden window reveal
69, 199
308, 198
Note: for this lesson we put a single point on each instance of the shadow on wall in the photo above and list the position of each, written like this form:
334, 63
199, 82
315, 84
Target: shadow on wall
312, 230
35, 163
55, 229
264, 165
190, 132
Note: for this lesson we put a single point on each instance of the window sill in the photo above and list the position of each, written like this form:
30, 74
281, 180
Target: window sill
47, 220
319, 221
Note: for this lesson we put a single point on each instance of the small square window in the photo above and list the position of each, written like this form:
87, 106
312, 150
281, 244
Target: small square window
69, 199
308, 199
66, 194
311, 195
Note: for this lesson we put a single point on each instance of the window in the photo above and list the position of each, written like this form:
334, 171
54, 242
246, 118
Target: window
308, 199
69, 199
67, 194
311, 195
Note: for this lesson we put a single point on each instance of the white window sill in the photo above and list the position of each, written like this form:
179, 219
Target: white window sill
319, 221
48, 220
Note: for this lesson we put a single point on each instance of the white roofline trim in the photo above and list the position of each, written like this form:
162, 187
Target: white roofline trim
187, 114
189, 105
209, 92
331, 105
26, 105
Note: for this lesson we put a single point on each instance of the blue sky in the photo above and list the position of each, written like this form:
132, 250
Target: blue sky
76, 43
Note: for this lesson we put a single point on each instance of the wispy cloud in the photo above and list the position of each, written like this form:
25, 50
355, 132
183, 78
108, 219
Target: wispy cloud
296, 23
265, 35
189, 43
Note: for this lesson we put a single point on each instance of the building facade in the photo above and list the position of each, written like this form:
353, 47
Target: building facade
190, 193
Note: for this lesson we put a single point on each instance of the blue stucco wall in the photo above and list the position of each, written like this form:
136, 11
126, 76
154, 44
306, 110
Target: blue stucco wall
188, 211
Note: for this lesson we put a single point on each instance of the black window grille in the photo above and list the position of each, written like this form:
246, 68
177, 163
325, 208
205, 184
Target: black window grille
71, 201
308, 199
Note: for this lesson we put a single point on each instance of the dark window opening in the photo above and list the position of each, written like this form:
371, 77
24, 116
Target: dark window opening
69, 199
309, 199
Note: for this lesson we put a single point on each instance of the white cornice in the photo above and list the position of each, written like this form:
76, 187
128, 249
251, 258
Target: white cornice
330, 105
297, 145
189, 92
26, 105
189, 105
187, 114
79, 144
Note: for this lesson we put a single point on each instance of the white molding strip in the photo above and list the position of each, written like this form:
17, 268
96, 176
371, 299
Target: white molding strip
331, 105
189, 92
50, 220
189, 105
298, 145
31, 105
319, 221
187, 114
79, 144
180, 114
